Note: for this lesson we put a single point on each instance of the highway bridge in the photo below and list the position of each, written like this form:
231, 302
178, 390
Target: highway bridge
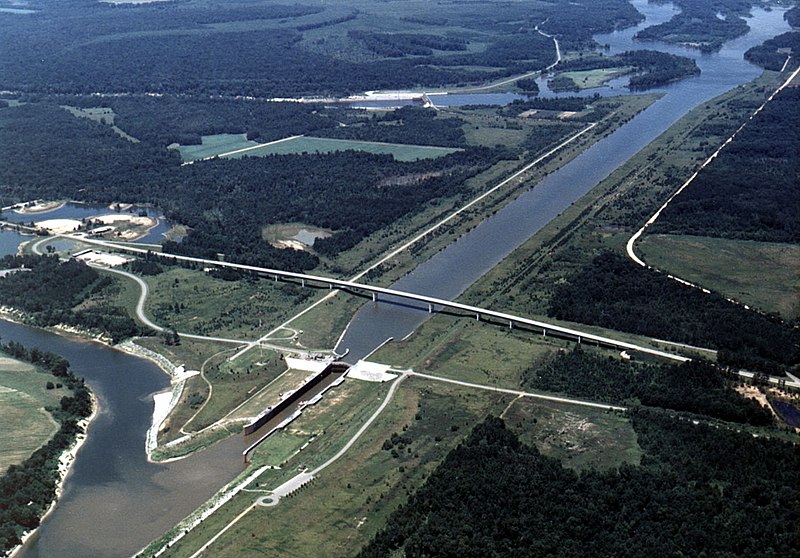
382, 294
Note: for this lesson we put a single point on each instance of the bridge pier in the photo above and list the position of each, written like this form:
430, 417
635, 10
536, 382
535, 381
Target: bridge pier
430, 308
374, 297
544, 332
510, 324
302, 282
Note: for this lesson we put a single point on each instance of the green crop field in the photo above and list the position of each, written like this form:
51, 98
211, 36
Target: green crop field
326, 145
761, 274
221, 144
214, 145
23, 398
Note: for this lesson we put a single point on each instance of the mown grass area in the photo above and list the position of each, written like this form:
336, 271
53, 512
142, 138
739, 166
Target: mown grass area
346, 504
340, 510
302, 145
464, 349
214, 145
234, 383
587, 79
23, 398
764, 275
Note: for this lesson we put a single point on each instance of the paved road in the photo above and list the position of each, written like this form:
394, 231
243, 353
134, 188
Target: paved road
630, 247
517, 78
480, 313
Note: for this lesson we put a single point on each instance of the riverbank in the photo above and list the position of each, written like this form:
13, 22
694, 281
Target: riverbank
163, 402
39, 207
65, 462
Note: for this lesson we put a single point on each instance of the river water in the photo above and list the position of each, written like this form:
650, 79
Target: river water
115, 502
451, 271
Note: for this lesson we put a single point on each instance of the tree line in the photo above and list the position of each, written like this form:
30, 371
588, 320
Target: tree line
189, 49
50, 291
695, 386
700, 490
613, 292
27, 490
706, 25
650, 68
226, 203
752, 189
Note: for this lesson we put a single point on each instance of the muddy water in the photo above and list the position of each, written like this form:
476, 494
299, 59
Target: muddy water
115, 502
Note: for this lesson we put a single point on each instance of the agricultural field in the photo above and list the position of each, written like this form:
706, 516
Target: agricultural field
327, 145
23, 398
214, 146
764, 275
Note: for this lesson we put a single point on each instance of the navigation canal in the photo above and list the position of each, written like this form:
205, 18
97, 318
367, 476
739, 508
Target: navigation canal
115, 502
451, 271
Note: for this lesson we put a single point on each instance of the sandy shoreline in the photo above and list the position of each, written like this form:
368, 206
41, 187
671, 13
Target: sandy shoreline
43, 207
67, 458
65, 461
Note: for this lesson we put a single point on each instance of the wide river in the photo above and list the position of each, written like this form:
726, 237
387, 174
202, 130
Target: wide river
115, 502
451, 271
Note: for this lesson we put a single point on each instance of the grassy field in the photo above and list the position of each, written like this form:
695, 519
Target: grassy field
586, 79
350, 500
23, 398
195, 302
764, 275
370, 482
302, 145
608, 215
214, 145
103, 115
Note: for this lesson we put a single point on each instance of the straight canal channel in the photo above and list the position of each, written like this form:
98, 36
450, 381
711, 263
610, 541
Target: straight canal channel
115, 501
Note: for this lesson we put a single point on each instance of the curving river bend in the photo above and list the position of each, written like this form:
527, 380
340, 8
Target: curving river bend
115, 502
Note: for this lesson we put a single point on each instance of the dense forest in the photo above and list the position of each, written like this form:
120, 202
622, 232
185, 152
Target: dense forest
772, 54
349, 192
650, 68
694, 386
188, 48
352, 193
614, 292
702, 24
700, 490
752, 189
172, 119
51, 290
27, 490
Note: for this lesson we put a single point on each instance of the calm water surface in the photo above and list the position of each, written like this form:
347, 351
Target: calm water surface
115, 502
449, 273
